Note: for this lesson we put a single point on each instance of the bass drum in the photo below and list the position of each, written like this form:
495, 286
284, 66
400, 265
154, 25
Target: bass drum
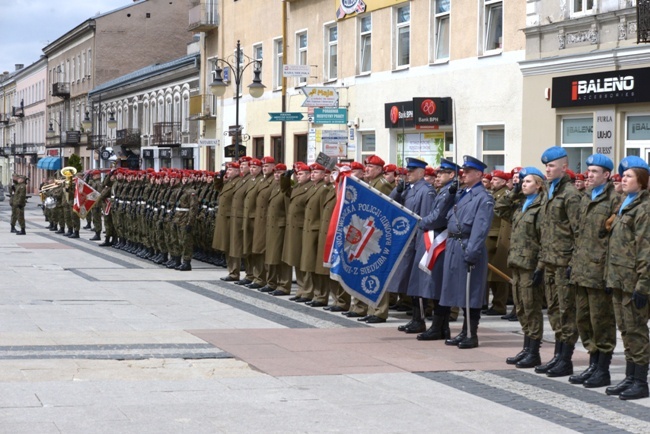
50, 202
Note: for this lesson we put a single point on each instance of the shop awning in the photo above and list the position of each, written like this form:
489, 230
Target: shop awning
49, 163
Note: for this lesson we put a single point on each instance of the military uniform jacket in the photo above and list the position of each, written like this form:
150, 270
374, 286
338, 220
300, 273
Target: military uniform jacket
417, 197
436, 221
276, 220
499, 241
588, 260
295, 222
468, 224
380, 184
628, 256
250, 202
236, 247
186, 207
311, 228
560, 223
20, 196
221, 238
525, 242
264, 189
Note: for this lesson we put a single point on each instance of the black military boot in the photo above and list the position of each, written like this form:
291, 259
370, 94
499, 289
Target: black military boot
54, 227
521, 354
462, 335
151, 253
162, 257
97, 237
174, 262
639, 388
185, 266
87, 226
13, 229
439, 329
564, 366
543, 369
532, 358
584, 375
416, 325
470, 341
627, 381
75, 234
107, 242
69, 233
600, 377
61, 230
21, 232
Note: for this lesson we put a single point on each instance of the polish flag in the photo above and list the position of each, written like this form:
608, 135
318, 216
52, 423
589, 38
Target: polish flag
435, 246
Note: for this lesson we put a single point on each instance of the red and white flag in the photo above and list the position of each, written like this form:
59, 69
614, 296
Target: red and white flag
435, 246
85, 197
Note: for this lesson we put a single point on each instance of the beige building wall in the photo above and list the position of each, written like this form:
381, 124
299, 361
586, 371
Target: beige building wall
486, 87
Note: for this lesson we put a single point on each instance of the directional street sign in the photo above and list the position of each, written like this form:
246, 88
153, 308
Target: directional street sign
286, 117
320, 97
295, 70
330, 115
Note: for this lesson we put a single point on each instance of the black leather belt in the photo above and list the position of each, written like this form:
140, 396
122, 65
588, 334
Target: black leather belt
455, 235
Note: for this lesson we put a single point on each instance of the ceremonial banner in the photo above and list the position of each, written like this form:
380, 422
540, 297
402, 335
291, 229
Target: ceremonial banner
435, 246
85, 198
372, 232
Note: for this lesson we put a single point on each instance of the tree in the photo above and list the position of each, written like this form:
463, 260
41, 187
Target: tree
75, 162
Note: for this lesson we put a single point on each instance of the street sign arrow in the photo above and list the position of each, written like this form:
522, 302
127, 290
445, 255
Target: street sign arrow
285, 117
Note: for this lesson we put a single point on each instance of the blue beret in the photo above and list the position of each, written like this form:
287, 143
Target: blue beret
473, 163
531, 171
449, 165
553, 153
600, 160
414, 163
632, 162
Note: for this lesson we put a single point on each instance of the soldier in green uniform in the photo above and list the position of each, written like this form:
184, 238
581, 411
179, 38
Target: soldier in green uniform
560, 225
293, 233
236, 243
258, 238
226, 184
248, 222
522, 207
187, 205
594, 308
14, 210
171, 239
19, 202
279, 272
96, 212
105, 203
627, 276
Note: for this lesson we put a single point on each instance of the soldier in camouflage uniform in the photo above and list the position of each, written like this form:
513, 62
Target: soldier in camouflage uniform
19, 202
171, 239
522, 207
186, 207
96, 212
159, 215
106, 194
594, 308
561, 220
627, 276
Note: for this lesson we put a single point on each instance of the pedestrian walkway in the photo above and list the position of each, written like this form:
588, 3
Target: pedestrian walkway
93, 339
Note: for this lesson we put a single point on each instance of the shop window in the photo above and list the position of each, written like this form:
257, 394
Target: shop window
300, 147
493, 148
301, 53
402, 36
578, 140
368, 146
441, 29
277, 150
637, 135
429, 147
278, 61
331, 52
493, 25
365, 44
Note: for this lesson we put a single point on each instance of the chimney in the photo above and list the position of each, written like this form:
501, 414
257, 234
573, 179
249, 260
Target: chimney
19, 66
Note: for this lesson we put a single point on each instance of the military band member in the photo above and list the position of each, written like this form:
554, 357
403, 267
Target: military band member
522, 207
468, 224
594, 308
628, 278
560, 226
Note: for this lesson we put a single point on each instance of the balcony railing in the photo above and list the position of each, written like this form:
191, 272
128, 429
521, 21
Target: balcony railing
127, 137
204, 17
26, 149
5, 151
61, 90
167, 134
18, 112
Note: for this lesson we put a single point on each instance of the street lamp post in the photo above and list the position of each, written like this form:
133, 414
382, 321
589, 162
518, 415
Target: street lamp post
256, 88
87, 124
51, 133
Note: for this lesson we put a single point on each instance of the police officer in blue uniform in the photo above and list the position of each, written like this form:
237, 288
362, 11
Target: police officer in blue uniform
468, 224
436, 221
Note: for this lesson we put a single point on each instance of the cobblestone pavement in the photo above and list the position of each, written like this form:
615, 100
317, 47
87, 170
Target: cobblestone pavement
94, 340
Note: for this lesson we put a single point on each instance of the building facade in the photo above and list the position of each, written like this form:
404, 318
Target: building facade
7, 124
584, 81
397, 78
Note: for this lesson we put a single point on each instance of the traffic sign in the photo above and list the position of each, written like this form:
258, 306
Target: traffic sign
295, 70
285, 117
330, 115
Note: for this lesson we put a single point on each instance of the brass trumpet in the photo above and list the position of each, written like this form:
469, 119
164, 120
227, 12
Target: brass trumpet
55, 184
68, 172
